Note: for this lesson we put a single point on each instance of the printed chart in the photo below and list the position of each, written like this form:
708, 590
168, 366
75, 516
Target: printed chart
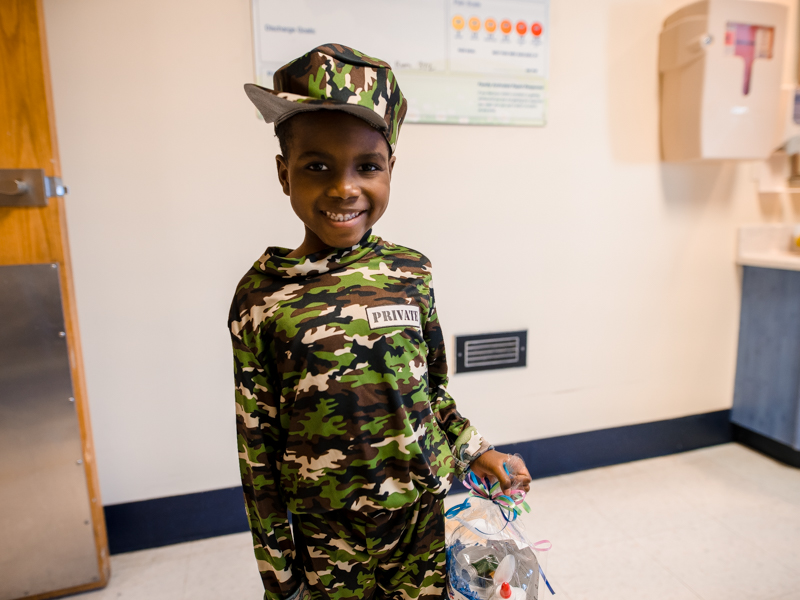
457, 61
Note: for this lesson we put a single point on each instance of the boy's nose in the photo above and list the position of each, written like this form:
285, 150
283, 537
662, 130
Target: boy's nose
344, 187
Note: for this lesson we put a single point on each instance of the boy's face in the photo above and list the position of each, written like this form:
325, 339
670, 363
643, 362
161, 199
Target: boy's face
337, 177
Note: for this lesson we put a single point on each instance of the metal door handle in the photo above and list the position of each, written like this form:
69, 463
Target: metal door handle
13, 188
28, 187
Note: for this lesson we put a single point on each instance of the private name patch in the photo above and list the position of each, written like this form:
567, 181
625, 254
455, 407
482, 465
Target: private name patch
393, 316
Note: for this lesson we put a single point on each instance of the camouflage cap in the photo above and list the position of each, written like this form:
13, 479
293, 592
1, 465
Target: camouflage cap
335, 77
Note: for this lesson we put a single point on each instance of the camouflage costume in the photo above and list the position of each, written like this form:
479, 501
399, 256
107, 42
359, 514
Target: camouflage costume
374, 554
342, 406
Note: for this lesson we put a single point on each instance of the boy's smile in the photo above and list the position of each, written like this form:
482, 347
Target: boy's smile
337, 175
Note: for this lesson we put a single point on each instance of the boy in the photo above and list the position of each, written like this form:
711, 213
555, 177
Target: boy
343, 416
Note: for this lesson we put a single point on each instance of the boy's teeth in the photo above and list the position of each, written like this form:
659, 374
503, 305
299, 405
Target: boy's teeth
338, 217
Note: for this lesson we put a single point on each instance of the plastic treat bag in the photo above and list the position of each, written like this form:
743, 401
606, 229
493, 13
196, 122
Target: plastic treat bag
488, 553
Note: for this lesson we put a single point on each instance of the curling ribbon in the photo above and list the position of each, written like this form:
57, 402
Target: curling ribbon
547, 583
511, 504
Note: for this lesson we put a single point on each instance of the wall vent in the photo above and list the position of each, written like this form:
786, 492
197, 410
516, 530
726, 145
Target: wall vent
491, 351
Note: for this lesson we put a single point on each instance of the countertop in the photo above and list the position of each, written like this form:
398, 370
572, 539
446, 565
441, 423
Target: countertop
767, 246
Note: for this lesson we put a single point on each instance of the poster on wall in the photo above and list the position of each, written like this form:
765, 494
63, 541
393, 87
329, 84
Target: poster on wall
457, 61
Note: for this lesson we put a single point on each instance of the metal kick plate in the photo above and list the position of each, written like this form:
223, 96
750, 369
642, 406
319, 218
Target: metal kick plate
46, 537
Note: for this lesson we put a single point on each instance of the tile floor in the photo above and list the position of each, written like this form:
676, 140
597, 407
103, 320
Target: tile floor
720, 523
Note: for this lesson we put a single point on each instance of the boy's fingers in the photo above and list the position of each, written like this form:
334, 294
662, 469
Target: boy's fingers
504, 479
523, 479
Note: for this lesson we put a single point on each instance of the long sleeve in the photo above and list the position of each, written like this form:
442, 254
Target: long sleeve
465, 441
258, 433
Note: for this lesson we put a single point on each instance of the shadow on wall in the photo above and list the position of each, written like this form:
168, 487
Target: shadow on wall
693, 186
771, 207
632, 48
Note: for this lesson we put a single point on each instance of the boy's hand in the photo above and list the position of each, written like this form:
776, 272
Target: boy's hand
490, 464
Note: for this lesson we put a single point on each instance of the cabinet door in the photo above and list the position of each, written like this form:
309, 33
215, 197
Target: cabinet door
766, 397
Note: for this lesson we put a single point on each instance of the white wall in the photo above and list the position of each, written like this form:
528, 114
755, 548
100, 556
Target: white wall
620, 267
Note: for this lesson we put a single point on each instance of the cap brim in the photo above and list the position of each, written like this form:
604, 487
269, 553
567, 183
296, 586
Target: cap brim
275, 109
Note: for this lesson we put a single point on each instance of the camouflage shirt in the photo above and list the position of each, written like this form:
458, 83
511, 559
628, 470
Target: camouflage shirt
341, 398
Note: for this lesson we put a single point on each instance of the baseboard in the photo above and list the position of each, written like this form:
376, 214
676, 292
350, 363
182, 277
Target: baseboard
163, 521
604, 447
761, 443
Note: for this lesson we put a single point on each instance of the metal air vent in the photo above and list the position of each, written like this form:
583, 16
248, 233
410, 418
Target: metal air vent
491, 351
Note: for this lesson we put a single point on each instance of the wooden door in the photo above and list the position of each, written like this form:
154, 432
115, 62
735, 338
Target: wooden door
37, 235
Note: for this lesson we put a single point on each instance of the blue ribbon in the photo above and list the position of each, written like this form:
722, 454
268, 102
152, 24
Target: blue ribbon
457, 509
547, 583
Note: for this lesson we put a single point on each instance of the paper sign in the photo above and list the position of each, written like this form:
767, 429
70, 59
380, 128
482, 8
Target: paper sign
457, 61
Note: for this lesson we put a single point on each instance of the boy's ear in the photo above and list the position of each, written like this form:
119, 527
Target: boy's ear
391, 165
283, 173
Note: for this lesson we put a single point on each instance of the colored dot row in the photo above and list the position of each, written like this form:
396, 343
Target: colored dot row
490, 25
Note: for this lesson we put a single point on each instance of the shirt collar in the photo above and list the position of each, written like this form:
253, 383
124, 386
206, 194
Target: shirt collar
275, 262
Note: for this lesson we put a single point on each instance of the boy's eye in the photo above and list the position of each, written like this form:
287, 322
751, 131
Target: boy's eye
317, 167
369, 167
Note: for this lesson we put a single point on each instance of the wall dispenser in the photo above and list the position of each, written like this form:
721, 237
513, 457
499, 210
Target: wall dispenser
721, 63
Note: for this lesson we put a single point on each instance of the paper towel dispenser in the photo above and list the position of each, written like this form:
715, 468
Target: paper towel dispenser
720, 64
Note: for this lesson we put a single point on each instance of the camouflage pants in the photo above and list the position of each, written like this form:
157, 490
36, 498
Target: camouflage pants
396, 554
